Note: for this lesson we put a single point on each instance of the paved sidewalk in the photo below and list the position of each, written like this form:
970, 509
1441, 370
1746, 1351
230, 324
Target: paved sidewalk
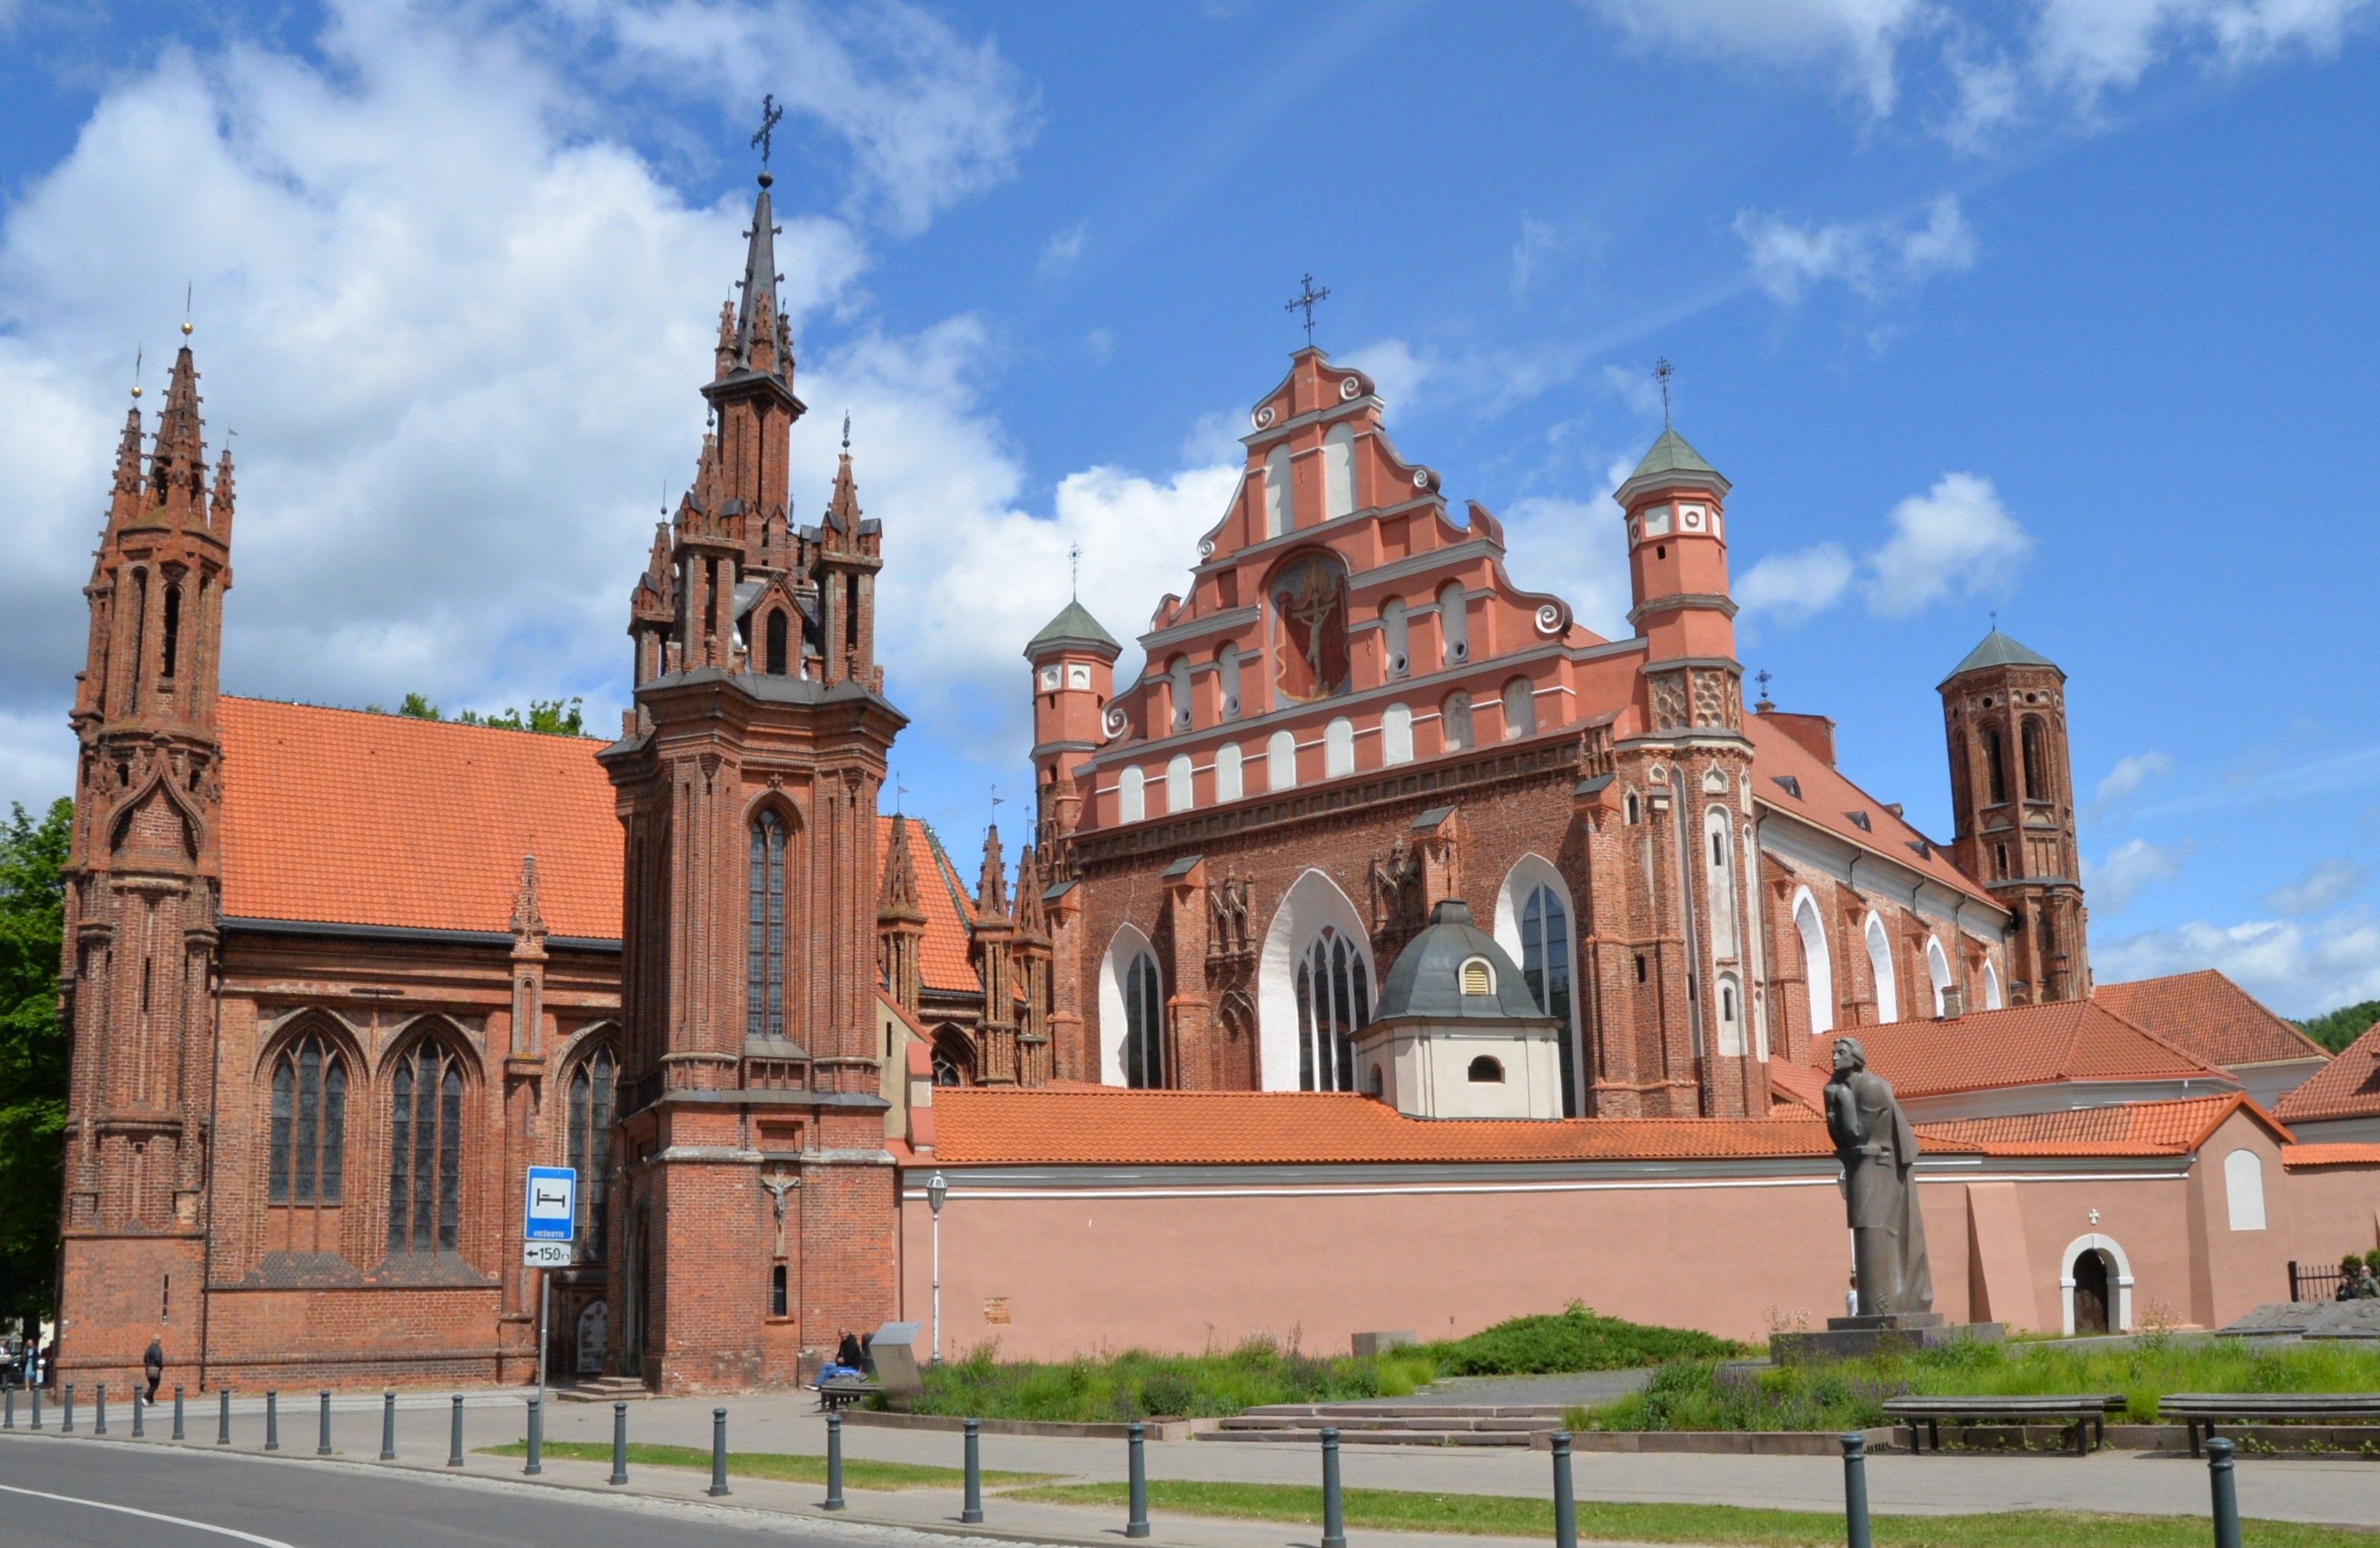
2342, 1492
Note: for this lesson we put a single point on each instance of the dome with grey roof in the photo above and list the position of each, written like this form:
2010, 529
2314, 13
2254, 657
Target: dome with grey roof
1427, 979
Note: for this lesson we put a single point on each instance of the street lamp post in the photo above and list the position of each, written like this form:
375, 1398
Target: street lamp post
937, 1189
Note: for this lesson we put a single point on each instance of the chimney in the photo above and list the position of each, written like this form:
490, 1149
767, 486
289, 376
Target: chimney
1954, 1003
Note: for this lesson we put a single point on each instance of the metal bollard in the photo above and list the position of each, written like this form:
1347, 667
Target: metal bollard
2227, 1495
1856, 1532
619, 1443
322, 1432
1565, 1495
99, 1411
36, 1390
454, 1435
272, 1419
177, 1416
536, 1438
388, 1427
1136, 1523
718, 1452
834, 1461
223, 1418
139, 1430
66, 1421
1334, 1515
8, 1396
972, 1511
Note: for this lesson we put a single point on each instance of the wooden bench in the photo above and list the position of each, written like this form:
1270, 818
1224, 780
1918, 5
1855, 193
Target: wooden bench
842, 1393
2084, 1414
2199, 1411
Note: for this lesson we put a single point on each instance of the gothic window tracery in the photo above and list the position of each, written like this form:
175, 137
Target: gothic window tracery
1334, 1003
425, 1151
764, 948
592, 1090
308, 1127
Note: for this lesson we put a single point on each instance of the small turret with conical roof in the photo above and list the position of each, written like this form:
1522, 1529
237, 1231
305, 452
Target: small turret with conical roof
1677, 576
1074, 675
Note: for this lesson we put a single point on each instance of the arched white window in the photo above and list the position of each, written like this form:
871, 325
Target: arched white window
1280, 761
1227, 674
1937, 972
1177, 691
1519, 709
1177, 783
1991, 987
1276, 491
1453, 626
1338, 471
1731, 1016
1393, 636
1533, 924
1817, 966
1879, 962
1227, 772
1339, 747
1132, 1013
1396, 734
1132, 800
2243, 1188
1454, 721
1313, 986
1719, 861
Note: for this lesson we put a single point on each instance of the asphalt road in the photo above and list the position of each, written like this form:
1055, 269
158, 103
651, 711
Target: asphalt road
69, 1494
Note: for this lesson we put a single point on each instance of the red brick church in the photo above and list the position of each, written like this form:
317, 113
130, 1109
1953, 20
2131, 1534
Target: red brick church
334, 978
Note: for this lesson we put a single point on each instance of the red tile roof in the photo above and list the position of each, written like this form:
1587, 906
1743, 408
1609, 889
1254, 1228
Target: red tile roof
942, 960
1828, 800
2331, 1156
1092, 1125
2024, 1045
2128, 1129
2208, 1015
347, 817
1797, 1085
2348, 1087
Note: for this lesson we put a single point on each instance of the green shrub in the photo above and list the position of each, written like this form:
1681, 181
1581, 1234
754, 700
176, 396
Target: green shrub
1572, 1339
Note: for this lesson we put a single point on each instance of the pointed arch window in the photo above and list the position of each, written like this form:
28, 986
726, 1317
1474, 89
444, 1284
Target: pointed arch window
1545, 967
1994, 764
2037, 760
1334, 1003
776, 643
592, 1089
309, 1129
1144, 1024
764, 946
425, 1151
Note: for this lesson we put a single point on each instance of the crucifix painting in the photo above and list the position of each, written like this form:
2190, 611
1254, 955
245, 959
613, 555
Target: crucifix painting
1309, 607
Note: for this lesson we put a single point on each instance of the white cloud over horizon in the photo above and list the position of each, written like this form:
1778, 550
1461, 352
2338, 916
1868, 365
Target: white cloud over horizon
1872, 258
2300, 969
2323, 887
1956, 540
2128, 870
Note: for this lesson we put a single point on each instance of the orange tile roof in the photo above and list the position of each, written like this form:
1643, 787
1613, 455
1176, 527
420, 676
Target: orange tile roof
2024, 1045
2331, 1156
2127, 1128
1828, 800
2208, 1015
2348, 1087
943, 958
1797, 1084
345, 817
1093, 1125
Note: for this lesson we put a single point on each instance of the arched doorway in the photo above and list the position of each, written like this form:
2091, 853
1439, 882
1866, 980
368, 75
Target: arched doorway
2091, 1291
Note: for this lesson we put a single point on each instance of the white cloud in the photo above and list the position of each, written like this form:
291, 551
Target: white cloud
1792, 587
1099, 344
1541, 247
1063, 249
1854, 39
2324, 887
2298, 970
2131, 868
1874, 257
2089, 46
2131, 773
1954, 540
1578, 551
1395, 368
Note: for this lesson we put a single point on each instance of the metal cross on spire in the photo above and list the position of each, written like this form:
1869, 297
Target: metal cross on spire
1305, 299
846, 430
770, 116
1662, 372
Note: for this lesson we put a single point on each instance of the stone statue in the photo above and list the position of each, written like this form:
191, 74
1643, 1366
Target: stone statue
1877, 1148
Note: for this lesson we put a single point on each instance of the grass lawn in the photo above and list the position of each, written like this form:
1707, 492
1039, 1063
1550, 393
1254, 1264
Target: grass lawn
781, 1466
1848, 1394
1723, 1526
1136, 1384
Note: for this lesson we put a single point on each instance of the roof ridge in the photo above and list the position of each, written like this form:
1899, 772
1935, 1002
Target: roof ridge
2170, 1047
407, 720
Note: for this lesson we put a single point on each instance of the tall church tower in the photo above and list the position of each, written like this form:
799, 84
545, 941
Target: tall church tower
757, 1205
2012, 796
143, 880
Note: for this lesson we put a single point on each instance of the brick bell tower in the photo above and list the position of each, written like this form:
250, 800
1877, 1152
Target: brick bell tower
756, 1203
2012, 794
143, 880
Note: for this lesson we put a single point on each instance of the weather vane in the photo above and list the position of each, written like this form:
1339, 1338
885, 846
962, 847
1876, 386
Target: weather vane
997, 799
846, 430
1662, 372
1305, 300
899, 791
770, 116
1074, 570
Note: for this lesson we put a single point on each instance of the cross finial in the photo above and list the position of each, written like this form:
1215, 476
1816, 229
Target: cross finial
1305, 299
770, 116
1761, 677
1074, 570
1662, 372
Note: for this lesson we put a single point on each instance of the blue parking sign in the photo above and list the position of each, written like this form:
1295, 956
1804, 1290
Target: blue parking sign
552, 1211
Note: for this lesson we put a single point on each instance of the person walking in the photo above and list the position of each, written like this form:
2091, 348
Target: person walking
152, 1362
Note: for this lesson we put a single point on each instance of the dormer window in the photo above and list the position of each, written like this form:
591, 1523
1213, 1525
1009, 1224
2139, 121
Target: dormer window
1859, 820
1789, 784
1478, 978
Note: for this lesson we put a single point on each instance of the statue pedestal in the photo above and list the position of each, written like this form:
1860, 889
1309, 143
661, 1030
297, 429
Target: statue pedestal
1895, 1333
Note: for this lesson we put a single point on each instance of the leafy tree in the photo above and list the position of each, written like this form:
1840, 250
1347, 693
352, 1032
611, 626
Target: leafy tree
416, 707
33, 1055
2337, 1028
554, 717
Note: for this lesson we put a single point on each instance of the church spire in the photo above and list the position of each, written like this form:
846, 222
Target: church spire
991, 888
178, 462
842, 505
757, 306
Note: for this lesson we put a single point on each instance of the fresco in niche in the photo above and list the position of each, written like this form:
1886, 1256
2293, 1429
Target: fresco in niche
1309, 628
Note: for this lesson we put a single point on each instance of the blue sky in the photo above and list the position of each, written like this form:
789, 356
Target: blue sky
2060, 308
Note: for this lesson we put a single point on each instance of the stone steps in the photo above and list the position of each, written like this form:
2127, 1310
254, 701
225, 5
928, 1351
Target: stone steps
603, 1389
1507, 1424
